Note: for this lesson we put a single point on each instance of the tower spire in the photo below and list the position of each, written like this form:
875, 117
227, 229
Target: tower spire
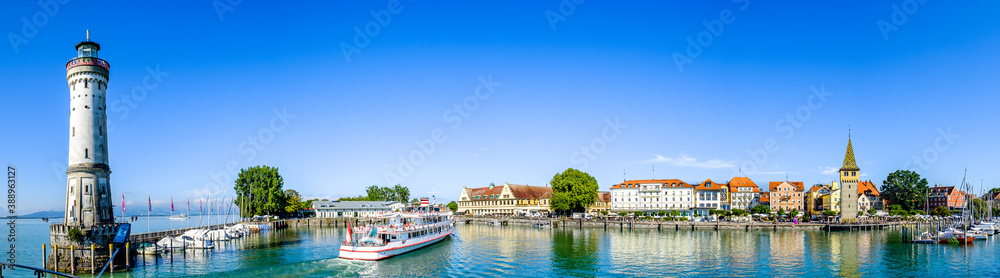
88, 35
849, 163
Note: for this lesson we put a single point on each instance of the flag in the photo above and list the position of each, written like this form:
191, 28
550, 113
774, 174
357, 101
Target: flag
171, 203
150, 202
200, 209
189, 205
123, 204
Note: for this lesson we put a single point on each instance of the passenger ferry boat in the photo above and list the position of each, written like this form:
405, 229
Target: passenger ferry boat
398, 232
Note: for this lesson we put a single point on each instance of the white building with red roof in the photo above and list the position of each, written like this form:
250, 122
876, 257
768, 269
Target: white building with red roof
652, 195
743, 193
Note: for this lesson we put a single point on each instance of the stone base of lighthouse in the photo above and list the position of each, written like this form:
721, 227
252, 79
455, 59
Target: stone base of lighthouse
75, 256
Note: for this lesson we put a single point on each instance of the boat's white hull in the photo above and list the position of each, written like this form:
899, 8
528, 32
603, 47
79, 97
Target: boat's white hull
378, 253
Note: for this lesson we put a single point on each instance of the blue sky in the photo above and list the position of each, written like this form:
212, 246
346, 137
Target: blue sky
924, 91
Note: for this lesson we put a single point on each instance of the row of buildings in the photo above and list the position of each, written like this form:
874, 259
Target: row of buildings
847, 195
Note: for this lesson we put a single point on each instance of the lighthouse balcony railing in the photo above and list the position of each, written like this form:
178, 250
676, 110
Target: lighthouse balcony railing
88, 61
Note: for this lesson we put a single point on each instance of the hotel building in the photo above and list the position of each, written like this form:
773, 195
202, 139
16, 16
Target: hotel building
787, 195
710, 196
649, 195
743, 193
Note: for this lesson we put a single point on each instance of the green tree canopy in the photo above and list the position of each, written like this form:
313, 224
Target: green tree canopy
760, 209
829, 213
905, 188
260, 191
453, 206
572, 191
293, 202
396, 193
941, 211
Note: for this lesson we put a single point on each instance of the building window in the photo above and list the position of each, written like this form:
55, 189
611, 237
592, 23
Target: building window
72, 132
86, 153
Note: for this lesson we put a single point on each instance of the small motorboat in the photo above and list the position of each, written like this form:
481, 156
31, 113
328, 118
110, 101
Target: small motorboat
150, 249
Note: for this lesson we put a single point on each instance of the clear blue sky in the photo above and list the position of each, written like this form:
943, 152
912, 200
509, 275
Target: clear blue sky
936, 69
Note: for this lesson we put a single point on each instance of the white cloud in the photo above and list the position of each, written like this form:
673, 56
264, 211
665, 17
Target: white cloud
864, 174
687, 161
830, 171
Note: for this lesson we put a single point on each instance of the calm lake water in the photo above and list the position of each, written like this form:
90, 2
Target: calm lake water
485, 251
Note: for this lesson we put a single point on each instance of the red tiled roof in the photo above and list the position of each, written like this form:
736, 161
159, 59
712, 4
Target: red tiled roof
709, 185
603, 196
765, 197
798, 185
530, 192
816, 188
486, 191
867, 186
635, 183
741, 182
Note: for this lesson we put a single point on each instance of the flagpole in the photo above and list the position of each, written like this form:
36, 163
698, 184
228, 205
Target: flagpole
148, 211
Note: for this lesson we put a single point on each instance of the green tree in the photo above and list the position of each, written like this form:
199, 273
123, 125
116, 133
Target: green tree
572, 191
309, 203
638, 213
622, 214
905, 188
872, 211
260, 191
739, 212
453, 206
781, 211
604, 212
829, 213
760, 209
293, 202
794, 212
941, 211
979, 208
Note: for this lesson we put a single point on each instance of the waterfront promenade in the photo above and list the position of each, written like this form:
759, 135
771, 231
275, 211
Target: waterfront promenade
688, 225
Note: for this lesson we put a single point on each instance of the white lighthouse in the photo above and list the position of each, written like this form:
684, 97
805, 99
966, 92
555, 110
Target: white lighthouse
88, 188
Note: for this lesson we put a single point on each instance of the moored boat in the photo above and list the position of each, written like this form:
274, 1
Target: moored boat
397, 233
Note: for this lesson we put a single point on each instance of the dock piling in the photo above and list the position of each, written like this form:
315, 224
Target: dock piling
45, 264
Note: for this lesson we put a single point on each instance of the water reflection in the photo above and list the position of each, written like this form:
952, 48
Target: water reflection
574, 252
486, 251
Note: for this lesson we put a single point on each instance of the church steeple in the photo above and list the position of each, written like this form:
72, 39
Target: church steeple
849, 164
